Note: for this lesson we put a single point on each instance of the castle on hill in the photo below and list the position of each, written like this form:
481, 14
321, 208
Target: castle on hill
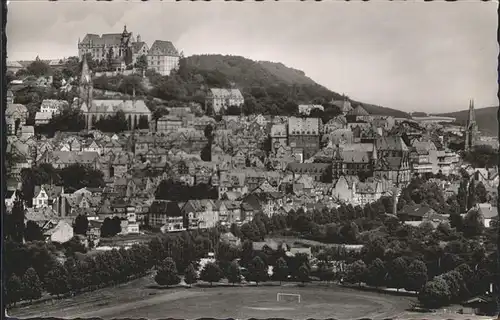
123, 50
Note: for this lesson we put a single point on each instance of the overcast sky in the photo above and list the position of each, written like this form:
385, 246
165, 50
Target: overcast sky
429, 57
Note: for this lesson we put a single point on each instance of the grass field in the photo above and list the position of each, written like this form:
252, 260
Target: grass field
138, 299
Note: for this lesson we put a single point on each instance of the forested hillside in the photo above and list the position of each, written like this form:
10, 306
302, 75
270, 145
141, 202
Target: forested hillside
268, 86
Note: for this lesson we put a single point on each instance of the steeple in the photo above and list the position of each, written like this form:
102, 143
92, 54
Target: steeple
472, 117
471, 131
85, 76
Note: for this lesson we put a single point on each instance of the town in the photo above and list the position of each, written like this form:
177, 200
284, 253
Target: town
129, 162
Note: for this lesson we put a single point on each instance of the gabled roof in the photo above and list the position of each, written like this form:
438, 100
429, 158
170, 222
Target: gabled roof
108, 39
137, 46
358, 111
61, 224
226, 93
344, 105
52, 191
112, 106
15, 109
394, 143
487, 210
163, 48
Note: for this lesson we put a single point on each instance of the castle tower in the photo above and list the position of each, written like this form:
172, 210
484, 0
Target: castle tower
471, 130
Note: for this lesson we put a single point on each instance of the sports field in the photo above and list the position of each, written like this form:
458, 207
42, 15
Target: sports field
138, 300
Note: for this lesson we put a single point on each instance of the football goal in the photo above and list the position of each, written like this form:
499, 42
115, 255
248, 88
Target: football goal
288, 297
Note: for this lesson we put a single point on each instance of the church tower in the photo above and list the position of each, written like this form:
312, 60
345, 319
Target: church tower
85, 89
471, 130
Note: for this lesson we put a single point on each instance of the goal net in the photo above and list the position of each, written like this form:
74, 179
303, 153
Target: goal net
288, 297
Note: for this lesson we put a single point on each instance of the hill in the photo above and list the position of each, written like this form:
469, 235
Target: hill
486, 119
268, 82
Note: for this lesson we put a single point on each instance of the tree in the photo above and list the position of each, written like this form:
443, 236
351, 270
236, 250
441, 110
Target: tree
356, 272
376, 273
234, 273
471, 199
81, 225
68, 120
473, 223
167, 273
303, 274
38, 68
142, 63
31, 285
416, 276
257, 270
280, 270
211, 273
110, 227
455, 283
15, 221
190, 274
398, 269
110, 57
57, 78
57, 280
73, 246
33, 232
481, 193
114, 123
14, 290
206, 152
143, 123
435, 293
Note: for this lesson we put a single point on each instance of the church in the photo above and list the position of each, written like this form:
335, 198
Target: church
94, 110
471, 128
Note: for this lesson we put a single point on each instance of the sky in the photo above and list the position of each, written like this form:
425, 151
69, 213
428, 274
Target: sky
412, 56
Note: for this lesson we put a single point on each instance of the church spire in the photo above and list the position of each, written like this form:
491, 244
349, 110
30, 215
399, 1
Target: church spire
85, 76
471, 130
472, 117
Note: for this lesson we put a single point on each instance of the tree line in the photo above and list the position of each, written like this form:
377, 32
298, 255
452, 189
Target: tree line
176, 191
90, 272
72, 177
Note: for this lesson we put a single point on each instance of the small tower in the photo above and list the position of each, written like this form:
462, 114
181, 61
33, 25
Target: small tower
138, 38
471, 130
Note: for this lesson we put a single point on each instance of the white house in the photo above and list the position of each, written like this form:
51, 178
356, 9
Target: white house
306, 109
93, 147
488, 212
45, 195
173, 224
61, 233
10, 197
52, 106
221, 99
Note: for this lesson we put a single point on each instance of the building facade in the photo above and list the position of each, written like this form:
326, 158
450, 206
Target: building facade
221, 99
163, 57
304, 133
110, 46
